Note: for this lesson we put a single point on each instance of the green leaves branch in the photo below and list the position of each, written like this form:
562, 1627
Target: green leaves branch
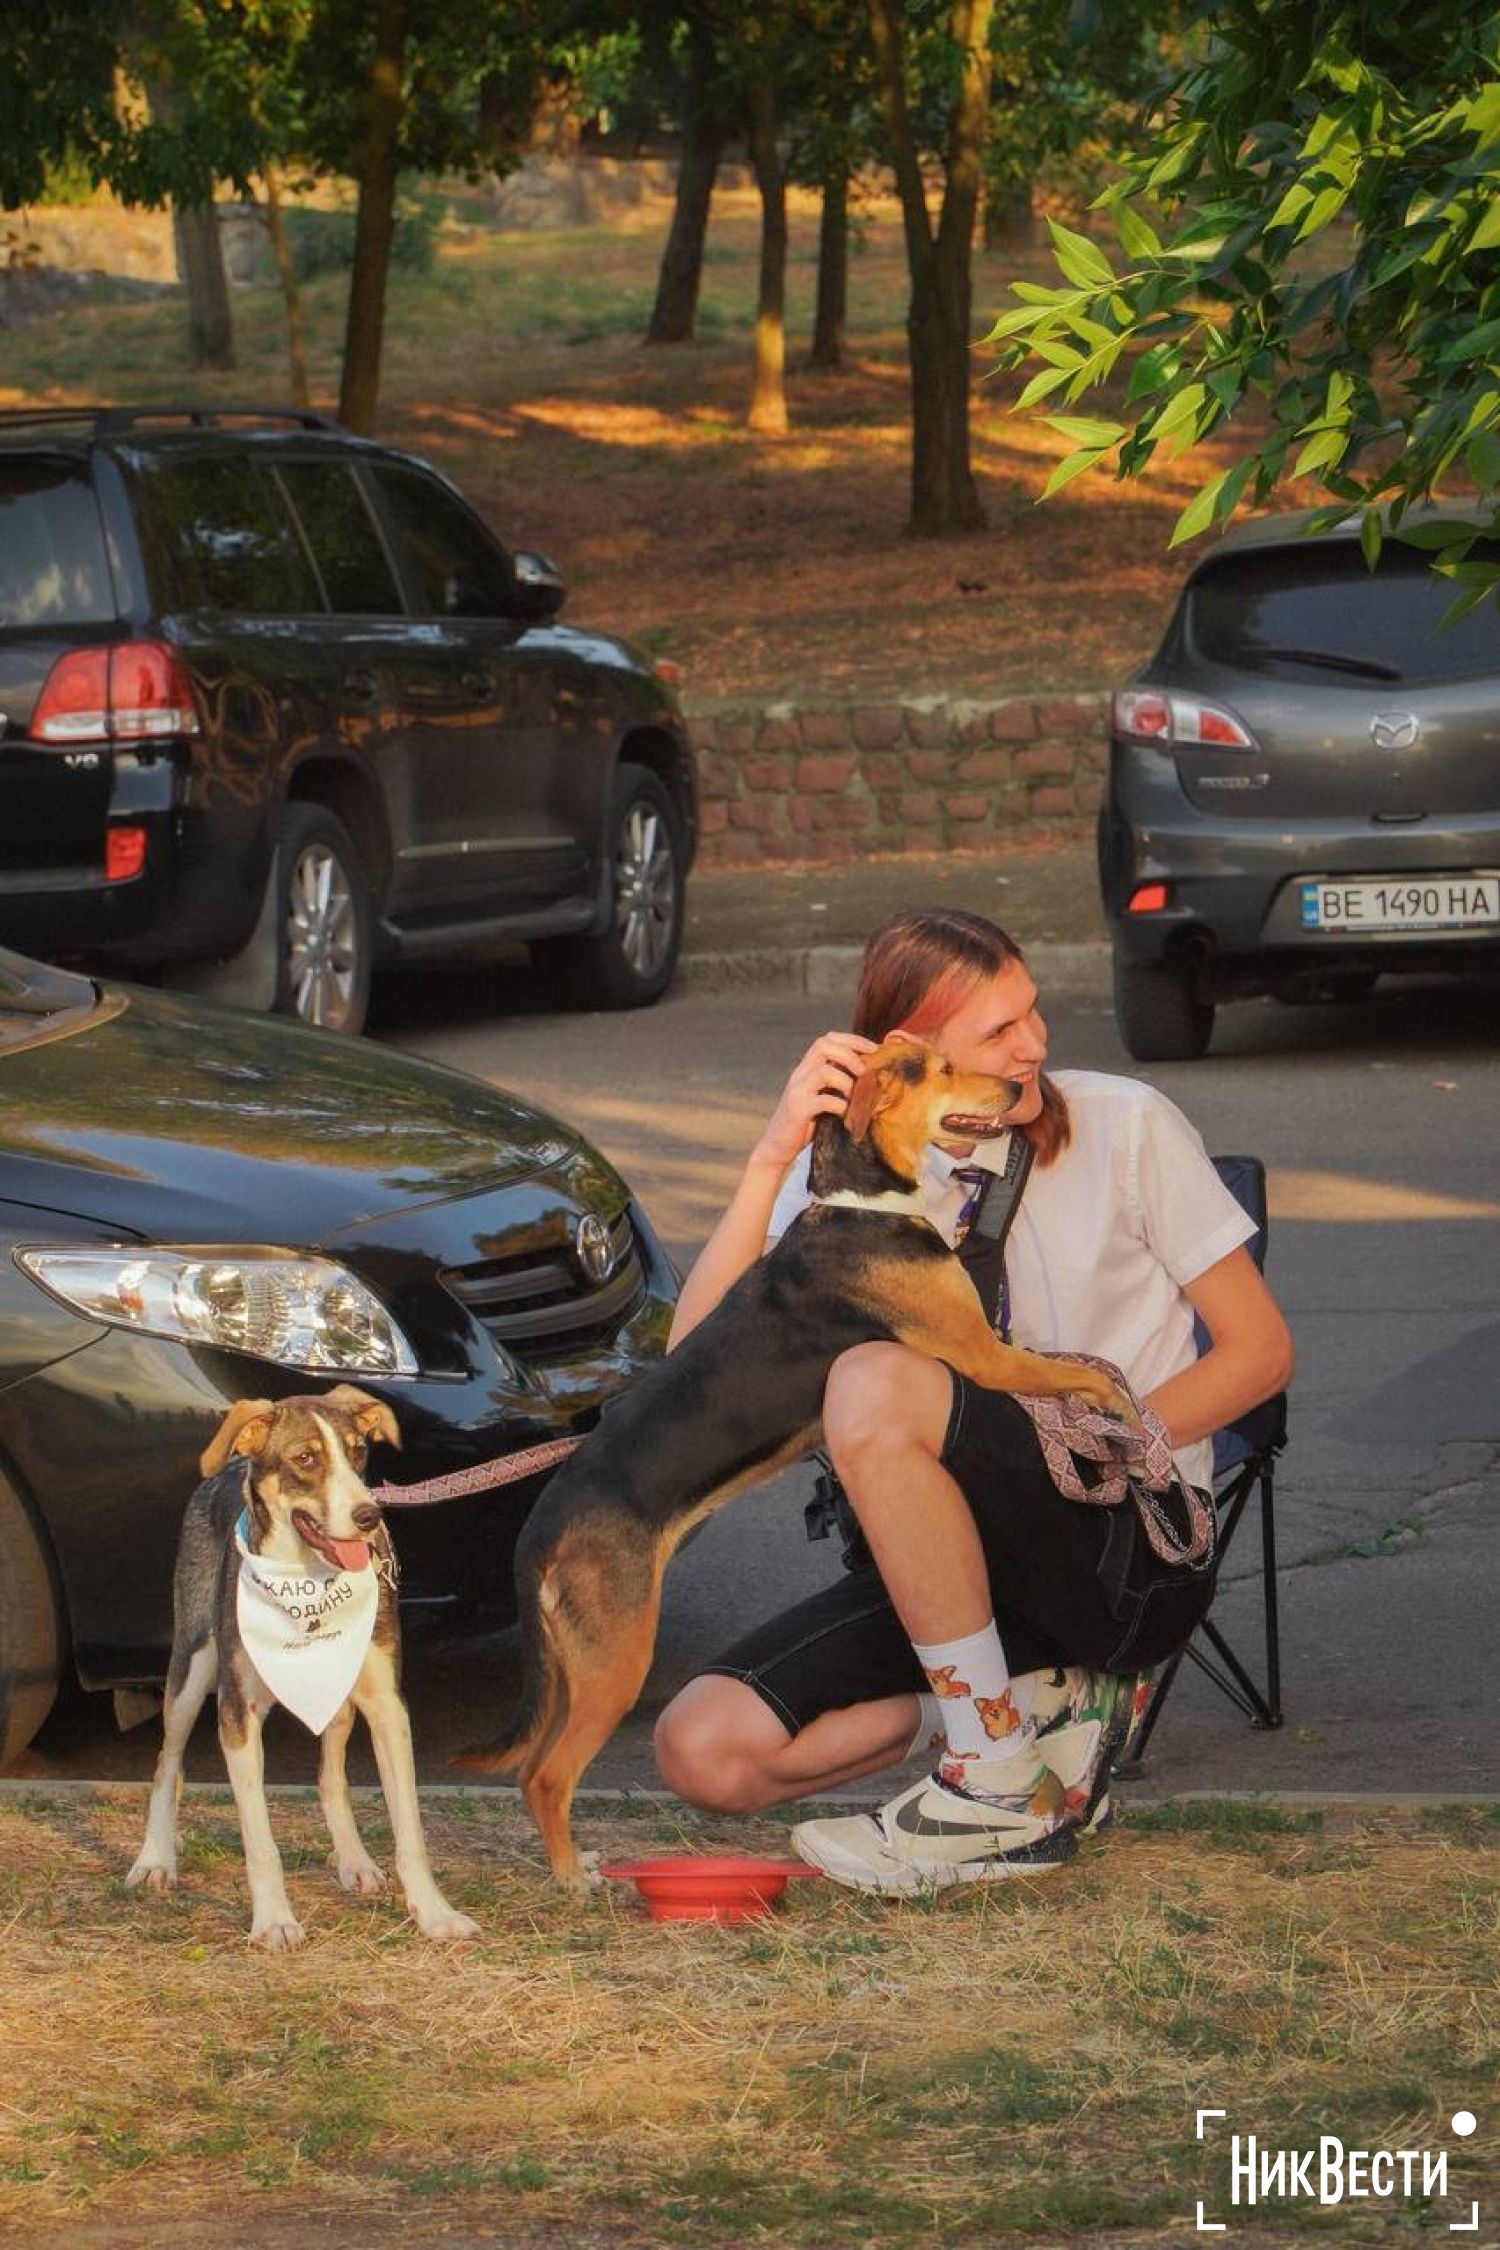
1313, 223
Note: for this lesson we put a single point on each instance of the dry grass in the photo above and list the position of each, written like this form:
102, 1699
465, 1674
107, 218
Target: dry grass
764, 566
1021, 2061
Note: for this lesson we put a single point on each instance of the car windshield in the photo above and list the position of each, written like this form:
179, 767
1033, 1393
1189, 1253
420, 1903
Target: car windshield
36, 999
1289, 611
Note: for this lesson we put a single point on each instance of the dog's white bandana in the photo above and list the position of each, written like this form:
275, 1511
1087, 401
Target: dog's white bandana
306, 1628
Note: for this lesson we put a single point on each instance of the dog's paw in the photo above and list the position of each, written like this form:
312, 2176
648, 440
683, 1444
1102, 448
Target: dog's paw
152, 1875
278, 1937
361, 1876
1123, 1408
1104, 1394
445, 1925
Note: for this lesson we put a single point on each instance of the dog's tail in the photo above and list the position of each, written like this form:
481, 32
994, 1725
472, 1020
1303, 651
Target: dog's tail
542, 1706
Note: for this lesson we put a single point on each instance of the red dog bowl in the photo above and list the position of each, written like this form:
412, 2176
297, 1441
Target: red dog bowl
698, 1888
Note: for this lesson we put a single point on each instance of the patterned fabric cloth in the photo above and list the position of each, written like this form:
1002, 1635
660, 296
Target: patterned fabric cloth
1095, 1457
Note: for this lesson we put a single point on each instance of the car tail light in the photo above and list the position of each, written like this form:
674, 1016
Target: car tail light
1142, 714
1209, 723
1148, 715
124, 853
136, 692
665, 669
1147, 898
74, 703
150, 692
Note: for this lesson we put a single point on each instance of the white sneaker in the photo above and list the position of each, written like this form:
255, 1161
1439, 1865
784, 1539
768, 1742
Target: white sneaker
933, 1836
1083, 1723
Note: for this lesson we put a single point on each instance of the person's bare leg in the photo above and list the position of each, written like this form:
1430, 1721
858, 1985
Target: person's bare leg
720, 1746
885, 1416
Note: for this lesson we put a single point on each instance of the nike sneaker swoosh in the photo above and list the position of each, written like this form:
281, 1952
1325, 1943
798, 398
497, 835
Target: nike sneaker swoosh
912, 1821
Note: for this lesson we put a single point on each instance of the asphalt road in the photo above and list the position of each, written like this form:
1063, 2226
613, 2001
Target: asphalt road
1376, 1120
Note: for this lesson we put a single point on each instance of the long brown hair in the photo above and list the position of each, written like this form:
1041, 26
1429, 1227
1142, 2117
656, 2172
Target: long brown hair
920, 966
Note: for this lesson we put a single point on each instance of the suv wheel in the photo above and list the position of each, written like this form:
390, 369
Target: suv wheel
30, 1629
1159, 1013
631, 961
325, 926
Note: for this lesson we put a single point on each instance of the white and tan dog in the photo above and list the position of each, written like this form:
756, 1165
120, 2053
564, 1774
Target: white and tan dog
285, 1592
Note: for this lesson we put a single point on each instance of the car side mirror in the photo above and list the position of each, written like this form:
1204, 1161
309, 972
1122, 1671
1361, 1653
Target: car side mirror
540, 591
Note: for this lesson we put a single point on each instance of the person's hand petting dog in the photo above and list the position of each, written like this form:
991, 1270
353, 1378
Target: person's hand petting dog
820, 1086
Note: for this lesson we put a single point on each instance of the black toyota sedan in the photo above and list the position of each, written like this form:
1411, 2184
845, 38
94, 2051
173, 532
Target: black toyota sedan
200, 1205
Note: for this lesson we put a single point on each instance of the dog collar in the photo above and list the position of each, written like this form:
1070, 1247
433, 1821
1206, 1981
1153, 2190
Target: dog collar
893, 1201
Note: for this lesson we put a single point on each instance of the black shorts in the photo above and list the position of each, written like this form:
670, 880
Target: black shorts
1073, 1583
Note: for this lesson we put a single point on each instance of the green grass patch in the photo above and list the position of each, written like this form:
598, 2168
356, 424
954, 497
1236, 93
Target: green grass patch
1010, 2062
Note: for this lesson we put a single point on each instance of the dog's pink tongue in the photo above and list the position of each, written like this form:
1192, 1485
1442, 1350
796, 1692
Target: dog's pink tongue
350, 1554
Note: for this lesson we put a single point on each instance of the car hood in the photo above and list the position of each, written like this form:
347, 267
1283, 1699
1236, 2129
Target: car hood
175, 1121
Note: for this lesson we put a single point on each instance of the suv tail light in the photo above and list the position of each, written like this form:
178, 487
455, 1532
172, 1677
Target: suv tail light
1149, 715
137, 692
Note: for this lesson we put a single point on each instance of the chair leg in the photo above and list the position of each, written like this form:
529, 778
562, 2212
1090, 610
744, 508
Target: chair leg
1268, 1581
1262, 1709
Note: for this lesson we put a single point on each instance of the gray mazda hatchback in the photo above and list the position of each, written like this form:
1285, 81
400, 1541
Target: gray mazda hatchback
1304, 786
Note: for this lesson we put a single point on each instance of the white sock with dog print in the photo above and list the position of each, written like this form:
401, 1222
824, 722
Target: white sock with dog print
991, 1734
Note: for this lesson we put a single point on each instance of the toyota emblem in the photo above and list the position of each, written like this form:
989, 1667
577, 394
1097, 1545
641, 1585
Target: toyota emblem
1394, 730
595, 1251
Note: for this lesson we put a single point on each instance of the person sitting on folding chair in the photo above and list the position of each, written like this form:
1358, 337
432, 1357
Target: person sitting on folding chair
987, 1616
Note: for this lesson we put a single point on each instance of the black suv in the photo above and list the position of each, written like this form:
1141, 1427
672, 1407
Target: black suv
1304, 785
275, 704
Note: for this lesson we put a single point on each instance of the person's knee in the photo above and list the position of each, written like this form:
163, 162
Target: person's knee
880, 1399
713, 1743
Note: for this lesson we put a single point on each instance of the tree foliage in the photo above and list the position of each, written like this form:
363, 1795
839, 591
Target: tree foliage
1314, 224
1069, 83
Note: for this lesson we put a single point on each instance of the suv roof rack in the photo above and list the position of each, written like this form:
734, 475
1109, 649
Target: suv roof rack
103, 419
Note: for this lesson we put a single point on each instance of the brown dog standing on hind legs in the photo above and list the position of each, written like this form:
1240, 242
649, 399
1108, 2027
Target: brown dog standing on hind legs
740, 1397
284, 1568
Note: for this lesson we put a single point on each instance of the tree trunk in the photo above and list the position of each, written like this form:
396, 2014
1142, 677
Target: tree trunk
375, 223
200, 261
833, 274
944, 499
281, 251
677, 285
768, 386
1010, 219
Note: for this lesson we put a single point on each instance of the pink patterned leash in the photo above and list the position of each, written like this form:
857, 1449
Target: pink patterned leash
1132, 1464
483, 1476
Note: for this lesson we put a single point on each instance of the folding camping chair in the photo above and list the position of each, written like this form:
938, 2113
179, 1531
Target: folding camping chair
1244, 1468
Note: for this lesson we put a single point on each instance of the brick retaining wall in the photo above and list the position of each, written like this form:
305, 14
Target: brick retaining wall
837, 782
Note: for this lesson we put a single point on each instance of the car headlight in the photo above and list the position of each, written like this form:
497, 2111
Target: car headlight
302, 1312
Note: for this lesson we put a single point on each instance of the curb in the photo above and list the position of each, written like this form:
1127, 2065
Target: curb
830, 971
1289, 1800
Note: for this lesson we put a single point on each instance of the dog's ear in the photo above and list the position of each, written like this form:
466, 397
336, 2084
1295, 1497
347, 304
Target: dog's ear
874, 1091
371, 1416
244, 1429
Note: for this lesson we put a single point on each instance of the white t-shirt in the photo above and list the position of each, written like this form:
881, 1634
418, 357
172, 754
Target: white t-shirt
1106, 1239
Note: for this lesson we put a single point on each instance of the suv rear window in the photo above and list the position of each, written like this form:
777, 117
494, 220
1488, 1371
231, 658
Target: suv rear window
54, 569
218, 538
1296, 611
341, 538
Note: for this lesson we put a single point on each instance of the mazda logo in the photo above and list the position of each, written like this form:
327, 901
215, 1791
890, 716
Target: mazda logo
1394, 730
595, 1251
